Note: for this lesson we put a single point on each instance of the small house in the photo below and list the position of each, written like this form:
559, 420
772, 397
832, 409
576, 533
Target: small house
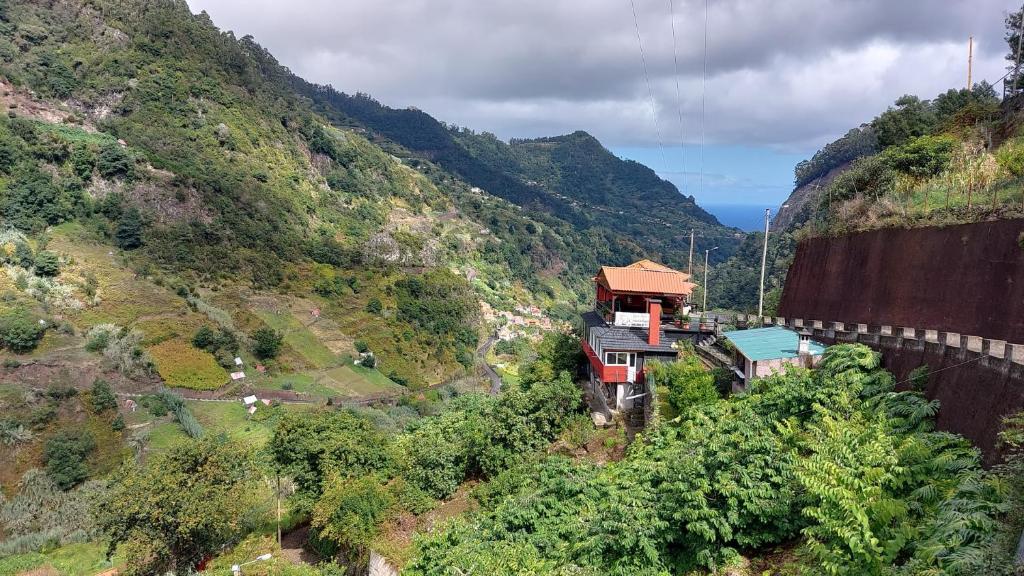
250, 400
764, 351
634, 322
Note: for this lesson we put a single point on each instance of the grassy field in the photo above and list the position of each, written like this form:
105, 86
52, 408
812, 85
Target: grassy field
347, 380
72, 560
182, 365
299, 338
229, 418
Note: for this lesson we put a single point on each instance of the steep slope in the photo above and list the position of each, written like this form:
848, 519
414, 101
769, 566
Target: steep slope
572, 177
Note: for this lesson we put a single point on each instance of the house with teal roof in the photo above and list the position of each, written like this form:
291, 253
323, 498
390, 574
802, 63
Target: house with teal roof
764, 351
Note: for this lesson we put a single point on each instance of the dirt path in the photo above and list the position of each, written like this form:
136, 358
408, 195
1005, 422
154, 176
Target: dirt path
292, 547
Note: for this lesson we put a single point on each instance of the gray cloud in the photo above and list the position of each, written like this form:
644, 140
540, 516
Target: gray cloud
791, 74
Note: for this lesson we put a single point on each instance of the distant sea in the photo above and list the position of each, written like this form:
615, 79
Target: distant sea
746, 217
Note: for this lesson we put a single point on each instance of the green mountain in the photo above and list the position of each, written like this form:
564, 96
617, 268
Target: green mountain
572, 177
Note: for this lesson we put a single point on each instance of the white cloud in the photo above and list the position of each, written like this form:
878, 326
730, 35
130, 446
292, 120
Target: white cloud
790, 74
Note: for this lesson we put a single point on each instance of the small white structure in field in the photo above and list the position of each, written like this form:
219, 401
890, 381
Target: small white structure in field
238, 361
251, 410
250, 400
237, 375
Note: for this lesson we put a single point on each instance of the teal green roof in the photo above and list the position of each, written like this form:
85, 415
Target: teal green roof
769, 343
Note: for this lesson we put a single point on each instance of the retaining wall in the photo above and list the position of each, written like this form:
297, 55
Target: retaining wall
976, 380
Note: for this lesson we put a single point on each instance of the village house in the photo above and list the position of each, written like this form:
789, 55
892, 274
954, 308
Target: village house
636, 319
761, 352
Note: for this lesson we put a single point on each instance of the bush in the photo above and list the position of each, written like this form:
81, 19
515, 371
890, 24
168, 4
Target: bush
47, 264
266, 343
114, 161
369, 361
128, 233
374, 306
689, 383
65, 456
118, 424
204, 338
361, 346
19, 332
59, 391
102, 396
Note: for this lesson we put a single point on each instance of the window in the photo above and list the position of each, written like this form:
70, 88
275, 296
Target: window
616, 358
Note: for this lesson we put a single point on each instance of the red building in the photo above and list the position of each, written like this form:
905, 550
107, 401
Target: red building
636, 318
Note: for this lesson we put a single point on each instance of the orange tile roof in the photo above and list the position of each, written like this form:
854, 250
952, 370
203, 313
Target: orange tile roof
646, 264
645, 277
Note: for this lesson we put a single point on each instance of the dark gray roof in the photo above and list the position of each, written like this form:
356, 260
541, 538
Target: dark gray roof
622, 338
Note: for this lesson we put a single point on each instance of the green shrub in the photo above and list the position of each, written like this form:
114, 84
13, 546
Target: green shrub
102, 396
688, 382
204, 338
114, 161
368, 361
361, 346
128, 233
118, 423
374, 306
60, 390
19, 332
47, 264
65, 455
266, 343
1010, 157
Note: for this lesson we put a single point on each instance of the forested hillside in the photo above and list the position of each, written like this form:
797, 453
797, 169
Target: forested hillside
572, 177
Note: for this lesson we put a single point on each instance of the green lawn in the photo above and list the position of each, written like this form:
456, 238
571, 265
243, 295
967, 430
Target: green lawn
299, 338
229, 418
358, 381
83, 559
303, 382
347, 380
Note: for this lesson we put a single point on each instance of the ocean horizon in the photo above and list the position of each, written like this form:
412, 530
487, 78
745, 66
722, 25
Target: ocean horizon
746, 217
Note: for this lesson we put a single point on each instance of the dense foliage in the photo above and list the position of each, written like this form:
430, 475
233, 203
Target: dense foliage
835, 455
186, 503
352, 475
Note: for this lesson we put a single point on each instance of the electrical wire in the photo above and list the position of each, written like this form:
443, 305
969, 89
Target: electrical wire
703, 101
647, 79
679, 93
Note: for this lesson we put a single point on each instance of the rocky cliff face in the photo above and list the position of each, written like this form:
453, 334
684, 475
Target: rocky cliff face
797, 208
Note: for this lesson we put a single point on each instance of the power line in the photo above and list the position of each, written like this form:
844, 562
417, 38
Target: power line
703, 100
679, 94
647, 79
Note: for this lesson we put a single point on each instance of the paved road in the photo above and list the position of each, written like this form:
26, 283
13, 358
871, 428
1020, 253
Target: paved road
488, 369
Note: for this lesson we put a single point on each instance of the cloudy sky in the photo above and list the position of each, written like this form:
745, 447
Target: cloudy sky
783, 76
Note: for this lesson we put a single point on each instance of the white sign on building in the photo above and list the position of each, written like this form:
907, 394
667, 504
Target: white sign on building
632, 319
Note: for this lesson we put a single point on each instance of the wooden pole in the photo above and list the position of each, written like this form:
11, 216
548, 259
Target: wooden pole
970, 61
278, 509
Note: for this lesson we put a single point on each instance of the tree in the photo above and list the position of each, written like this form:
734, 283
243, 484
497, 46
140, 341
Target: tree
185, 504
266, 343
114, 161
23, 255
102, 396
688, 382
47, 264
910, 118
350, 513
369, 361
65, 455
361, 346
19, 332
128, 234
204, 338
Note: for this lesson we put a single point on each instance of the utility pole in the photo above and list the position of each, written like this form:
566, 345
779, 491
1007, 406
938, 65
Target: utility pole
278, 474
706, 253
970, 61
689, 267
1020, 37
764, 261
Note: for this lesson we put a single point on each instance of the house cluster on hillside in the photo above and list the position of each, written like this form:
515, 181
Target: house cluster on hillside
525, 321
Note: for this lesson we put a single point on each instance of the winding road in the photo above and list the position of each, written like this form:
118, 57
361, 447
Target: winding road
488, 369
